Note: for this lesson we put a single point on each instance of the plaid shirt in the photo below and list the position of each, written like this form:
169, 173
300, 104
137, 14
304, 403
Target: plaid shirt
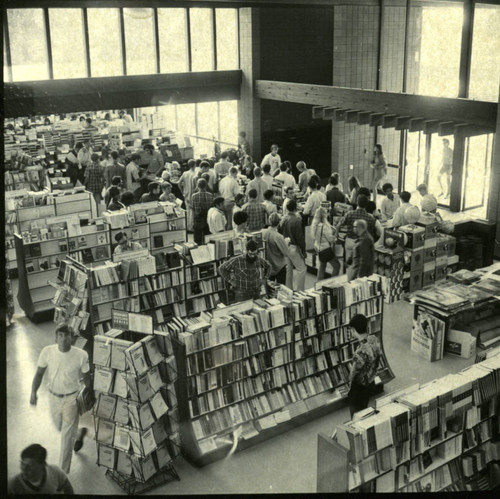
351, 216
244, 275
94, 178
201, 202
256, 215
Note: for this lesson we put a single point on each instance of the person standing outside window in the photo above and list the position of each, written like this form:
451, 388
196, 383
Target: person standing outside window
187, 184
66, 366
362, 261
229, 190
202, 202
273, 159
246, 273
379, 166
325, 237
446, 169
276, 249
291, 228
94, 180
365, 363
38, 477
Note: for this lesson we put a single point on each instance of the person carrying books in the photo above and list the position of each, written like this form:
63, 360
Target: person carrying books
124, 244
66, 367
246, 273
364, 365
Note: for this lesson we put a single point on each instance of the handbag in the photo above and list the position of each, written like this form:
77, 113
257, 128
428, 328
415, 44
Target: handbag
327, 254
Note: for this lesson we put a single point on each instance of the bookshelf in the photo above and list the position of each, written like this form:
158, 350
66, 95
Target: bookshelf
135, 415
254, 369
441, 436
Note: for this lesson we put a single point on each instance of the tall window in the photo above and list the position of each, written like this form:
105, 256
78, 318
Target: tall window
139, 41
186, 121
435, 37
105, 42
202, 39
172, 29
227, 38
68, 43
228, 112
485, 60
28, 44
6, 73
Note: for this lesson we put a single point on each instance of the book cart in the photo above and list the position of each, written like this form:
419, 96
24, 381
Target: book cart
254, 369
441, 436
135, 414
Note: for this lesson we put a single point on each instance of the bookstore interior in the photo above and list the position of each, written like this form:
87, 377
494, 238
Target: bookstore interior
220, 308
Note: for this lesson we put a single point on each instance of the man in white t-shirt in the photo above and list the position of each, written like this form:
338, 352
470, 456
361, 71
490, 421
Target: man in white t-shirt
132, 173
287, 179
221, 168
273, 159
66, 366
229, 189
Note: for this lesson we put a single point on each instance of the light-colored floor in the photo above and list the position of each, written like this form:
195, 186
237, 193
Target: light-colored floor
285, 464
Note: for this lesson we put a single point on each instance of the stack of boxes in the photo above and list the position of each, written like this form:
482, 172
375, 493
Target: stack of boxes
429, 255
389, 263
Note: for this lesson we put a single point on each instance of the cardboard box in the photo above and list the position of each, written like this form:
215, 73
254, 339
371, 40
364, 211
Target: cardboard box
430, 225
441, 245
415, 236
460, 343
442, 261
430, 243
440, 274
428, 278
417, 259
452, 260
416, 280
429, 255
393, 238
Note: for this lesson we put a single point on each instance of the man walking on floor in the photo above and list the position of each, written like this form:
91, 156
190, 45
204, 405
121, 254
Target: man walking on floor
66, 366
202, 201
246, 273
229, 189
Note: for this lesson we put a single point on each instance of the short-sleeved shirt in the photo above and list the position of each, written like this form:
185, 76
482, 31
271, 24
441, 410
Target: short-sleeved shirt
55, 479
366, 359
256, 215
64, 369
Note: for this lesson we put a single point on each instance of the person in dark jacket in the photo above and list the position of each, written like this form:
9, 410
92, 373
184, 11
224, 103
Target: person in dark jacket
362, 261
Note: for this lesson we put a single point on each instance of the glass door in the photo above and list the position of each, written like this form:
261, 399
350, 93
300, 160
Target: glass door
414, 160
440, 167
475, 191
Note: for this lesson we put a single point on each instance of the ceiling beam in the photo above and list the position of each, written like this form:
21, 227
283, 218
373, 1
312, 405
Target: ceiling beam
402, 123
480, 113
29, 98
389, 121
364, 118
376, 119
416, 124
351, 116
431, 126
317, 112
447, 128
328, 113
339, 114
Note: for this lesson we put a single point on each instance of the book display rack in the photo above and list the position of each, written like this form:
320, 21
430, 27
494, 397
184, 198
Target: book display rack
257, 368
25, 211
135, 414
441, 436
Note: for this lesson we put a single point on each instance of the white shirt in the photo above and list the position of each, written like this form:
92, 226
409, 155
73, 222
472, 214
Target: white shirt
132, 173
64, 369
285, 211
388, 207
222, 168
268, 179
273, 161
228, 187
287, 179
188, 183
216, 220
314, 202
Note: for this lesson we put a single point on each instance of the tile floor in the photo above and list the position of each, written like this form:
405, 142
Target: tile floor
284, 464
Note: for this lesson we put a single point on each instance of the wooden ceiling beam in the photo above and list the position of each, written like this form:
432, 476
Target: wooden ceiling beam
416, 124
339, 114
389, 121
431, 126
376, 119
328, 113
446, 128
351, 116
363, 118
317, 112
402, 123
479, 113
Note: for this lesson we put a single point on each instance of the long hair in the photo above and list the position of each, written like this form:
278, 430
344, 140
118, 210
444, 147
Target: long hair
380, 152
319, 217
354, 183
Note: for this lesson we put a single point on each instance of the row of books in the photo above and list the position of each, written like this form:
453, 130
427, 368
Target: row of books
204, 287
196, 305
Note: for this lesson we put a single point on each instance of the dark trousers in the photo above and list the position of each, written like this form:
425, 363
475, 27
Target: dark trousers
280, 277
200, 230
359, 396
246, 294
